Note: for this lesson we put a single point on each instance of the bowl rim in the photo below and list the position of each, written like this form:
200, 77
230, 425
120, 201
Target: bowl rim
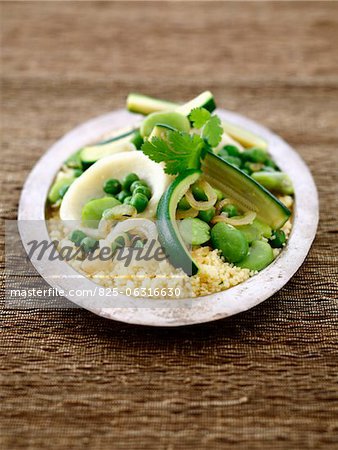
185, 311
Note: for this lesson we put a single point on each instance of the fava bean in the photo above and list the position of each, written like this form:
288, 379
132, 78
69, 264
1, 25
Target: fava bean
275, 181
230, 241
93, 210
59, 188
194, 231
260, 255
255, 230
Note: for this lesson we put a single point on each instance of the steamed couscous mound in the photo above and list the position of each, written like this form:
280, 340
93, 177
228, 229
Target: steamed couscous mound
215, 273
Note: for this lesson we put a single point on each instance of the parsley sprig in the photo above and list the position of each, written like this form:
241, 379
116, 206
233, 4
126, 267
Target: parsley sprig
211, 125
180, 151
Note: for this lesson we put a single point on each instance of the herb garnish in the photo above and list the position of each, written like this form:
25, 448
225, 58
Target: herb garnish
181, 151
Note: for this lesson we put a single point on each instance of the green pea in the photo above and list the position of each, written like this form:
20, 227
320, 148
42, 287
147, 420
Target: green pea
245, 167
223, 153
122, 195
230, 241
78, 172
183, 204
93, 210
137, 140
219, 194
112, 186
137, 183
207, 215
232, 150
268, 169
120, 241
198, 193
74, 160
137, 243
89, 244
77, 236
270, 163
127, 200
129, 180
277, 239
143, 190
260, 255
194, 231
256, 155
252, 167
139, 201
231, 210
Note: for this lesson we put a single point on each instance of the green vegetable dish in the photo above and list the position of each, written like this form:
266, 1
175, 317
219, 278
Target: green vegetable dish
206, 192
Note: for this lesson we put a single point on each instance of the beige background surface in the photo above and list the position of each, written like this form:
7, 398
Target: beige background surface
261, 380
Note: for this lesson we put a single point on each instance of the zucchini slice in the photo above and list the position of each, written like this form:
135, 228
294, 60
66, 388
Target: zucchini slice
130, 133
246, 192
205, 100
172, 118
167, 228
161, 131
89, 155
133, 134
143, 104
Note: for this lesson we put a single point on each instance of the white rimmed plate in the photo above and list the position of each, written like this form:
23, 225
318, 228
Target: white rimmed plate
174, 312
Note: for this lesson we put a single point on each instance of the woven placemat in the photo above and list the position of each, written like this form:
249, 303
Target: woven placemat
260, 380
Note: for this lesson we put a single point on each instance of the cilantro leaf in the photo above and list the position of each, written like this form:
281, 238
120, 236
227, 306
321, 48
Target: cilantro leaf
182, 151
199, 117
212, 131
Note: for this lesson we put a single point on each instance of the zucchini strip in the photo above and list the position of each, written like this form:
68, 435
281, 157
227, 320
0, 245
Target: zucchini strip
169, 235
245, 191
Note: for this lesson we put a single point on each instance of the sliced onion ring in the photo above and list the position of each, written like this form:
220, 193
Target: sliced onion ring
181, 214
119, 212
246, 219
221, 203
209, 192
145, 227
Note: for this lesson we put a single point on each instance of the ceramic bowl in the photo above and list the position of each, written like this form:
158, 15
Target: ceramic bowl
186, 311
